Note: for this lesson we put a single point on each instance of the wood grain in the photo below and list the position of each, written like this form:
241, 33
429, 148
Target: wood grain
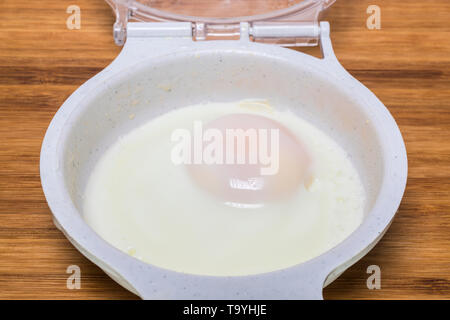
406, 64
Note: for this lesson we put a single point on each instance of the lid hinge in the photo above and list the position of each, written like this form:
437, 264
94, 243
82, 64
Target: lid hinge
297, 25
292, 34
159, 30
286, 34
283, 30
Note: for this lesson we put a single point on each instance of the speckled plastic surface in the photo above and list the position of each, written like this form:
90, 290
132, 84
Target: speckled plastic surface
154, 75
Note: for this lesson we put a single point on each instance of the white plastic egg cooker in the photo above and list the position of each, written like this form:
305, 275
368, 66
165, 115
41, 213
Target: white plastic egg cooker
227, 58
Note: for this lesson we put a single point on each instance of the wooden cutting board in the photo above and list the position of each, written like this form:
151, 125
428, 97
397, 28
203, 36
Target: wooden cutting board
406, 64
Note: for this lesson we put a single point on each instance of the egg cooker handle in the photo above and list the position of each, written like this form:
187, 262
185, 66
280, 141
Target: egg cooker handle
302, 282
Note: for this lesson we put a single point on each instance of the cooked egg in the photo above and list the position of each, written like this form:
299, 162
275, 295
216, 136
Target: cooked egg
288, 197
274, 177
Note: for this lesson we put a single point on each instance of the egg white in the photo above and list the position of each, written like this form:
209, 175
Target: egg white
139, 201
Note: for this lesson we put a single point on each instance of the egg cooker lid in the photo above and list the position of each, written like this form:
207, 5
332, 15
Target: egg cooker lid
283, 22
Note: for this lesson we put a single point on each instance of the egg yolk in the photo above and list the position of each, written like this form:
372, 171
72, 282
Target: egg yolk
254, 160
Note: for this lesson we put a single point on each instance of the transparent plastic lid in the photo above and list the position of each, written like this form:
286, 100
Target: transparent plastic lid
212, 19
